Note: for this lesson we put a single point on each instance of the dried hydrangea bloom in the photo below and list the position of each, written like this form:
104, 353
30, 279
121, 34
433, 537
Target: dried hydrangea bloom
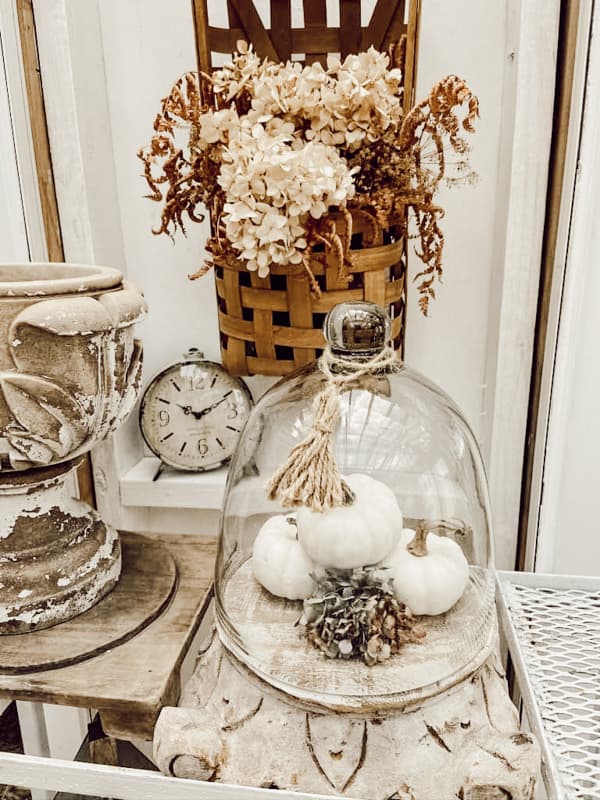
273, 182
238, 74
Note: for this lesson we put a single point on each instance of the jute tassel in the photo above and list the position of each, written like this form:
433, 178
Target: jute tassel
310, 477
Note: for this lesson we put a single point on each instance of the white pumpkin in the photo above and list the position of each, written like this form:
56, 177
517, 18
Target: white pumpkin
278, 561
430, 583
354, 535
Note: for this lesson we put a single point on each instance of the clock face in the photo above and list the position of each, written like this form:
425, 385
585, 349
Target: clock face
192, 414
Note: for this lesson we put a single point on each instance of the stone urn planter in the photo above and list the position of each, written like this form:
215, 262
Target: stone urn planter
70, 371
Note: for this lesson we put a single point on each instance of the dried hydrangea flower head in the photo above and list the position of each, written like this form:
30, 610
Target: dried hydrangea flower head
271, 150
354, 614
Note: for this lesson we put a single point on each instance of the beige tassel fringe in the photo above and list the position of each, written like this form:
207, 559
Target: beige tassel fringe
310, 477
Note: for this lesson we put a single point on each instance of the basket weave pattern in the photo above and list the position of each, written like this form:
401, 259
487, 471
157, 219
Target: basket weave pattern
272, 325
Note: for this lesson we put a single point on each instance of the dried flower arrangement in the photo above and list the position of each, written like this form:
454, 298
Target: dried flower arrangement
354, 614
277, 151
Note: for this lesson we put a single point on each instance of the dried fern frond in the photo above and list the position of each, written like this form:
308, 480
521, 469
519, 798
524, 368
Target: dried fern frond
178, 174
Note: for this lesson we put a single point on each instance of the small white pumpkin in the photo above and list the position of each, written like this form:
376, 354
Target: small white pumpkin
278, 561
429, 572
354, 535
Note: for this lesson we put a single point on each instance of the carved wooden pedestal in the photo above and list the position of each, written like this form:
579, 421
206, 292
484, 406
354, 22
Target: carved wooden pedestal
232, 727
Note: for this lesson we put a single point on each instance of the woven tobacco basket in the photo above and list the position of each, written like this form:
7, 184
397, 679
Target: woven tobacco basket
272, 325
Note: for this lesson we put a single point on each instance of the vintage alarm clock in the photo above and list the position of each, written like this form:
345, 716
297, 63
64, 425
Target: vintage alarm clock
193, 412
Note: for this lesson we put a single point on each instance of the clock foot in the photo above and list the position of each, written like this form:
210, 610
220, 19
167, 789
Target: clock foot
57, 556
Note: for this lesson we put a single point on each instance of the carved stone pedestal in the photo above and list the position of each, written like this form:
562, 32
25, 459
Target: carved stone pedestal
70, 371
233, 727
57, 556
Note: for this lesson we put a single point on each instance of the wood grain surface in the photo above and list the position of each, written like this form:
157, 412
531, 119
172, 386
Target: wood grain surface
146, 585
131, 682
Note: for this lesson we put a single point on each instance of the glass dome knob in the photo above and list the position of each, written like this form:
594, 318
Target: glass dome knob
357, 327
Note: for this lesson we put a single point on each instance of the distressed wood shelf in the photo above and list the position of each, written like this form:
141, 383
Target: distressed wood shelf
130, 683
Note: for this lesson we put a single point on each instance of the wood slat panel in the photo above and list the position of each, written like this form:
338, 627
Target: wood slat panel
330, 299
396, 28
410, 61
383, 13
394, 291
263, 320
377, 257
300, 305
315, 13
273, 300
350, 30
234, 358
281, 28
315, 40
315, 16
297, 337
262, 366
202, 35
374, 283
317, 265
223, 40
290, 337
255, 30
234, 327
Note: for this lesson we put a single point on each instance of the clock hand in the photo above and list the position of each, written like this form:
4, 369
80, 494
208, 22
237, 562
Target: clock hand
200, 414
186, 409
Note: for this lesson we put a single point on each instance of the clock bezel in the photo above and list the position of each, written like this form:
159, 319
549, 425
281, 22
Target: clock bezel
165, 371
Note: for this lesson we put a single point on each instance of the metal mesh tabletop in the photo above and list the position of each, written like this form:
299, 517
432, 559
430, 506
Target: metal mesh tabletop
552, 627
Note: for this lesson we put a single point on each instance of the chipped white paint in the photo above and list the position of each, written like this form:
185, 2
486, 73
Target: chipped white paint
37, 502
77, 550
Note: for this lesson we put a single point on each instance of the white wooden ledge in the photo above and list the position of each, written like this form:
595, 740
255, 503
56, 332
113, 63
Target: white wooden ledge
198, 490
121, 783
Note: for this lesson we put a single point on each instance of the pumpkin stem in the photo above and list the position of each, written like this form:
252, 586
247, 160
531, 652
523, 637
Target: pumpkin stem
349, 495
418, 545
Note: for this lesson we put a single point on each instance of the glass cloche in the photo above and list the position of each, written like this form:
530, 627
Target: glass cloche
355, 561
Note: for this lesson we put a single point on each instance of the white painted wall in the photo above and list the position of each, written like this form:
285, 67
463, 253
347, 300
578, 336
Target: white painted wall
468, 39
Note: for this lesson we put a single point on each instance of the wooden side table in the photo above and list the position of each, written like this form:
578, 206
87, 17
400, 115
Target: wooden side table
129, 683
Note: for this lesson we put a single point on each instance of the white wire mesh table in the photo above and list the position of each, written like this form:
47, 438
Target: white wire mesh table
552, 628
